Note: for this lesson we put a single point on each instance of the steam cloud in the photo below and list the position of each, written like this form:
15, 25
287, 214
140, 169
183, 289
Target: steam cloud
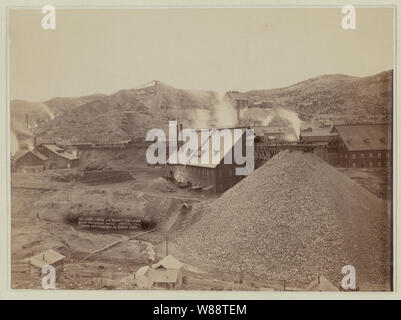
14, 143
291, 117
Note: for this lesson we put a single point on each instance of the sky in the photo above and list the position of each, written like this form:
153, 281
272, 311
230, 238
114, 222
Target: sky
104, 51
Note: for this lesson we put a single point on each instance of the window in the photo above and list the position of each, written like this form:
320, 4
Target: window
341, 155
353, 156
388, 155
379, 155
370, 164
346, 156
353, 164
362, 155
379, 164
370, 155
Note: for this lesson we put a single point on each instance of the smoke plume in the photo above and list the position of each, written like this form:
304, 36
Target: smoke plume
292, 118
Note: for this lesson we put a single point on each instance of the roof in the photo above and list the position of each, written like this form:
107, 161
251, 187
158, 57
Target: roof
215, 158
319, 136
235, 95
36, 153
168, 262
141, 271
60, 151
47, 257
163, 275
365, 136
321, 284
275, 129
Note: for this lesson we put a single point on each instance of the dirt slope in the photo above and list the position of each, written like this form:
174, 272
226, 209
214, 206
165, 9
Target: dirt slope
294, 218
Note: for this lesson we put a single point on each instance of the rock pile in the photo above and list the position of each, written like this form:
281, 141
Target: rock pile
293, 219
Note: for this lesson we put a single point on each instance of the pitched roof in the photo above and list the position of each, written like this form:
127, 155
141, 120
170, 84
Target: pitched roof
47, 257
36, 153
321, 284
60, 151
141, 271
162, 275
168, 262
365, 136
214, 158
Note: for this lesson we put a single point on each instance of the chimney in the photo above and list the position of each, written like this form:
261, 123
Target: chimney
34, 142
27, 120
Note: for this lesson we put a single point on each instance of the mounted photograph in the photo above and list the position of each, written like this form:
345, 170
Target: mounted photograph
201, 149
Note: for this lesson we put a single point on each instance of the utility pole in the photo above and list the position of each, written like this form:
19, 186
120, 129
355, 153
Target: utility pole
166, 244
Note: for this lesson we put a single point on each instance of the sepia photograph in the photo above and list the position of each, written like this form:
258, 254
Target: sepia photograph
201, 149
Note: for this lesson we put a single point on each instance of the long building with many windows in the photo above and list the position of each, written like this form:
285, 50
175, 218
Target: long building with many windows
363, 146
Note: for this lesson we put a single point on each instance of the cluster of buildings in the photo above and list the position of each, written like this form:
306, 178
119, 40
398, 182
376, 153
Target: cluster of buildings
44, 156
349, 146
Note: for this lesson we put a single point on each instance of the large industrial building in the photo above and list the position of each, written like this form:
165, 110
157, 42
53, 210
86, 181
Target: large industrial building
215, 176
364, 146
355, 145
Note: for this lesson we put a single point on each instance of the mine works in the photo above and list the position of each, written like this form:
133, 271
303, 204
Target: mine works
85, 200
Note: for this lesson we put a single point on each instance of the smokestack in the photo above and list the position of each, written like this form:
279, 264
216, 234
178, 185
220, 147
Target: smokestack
27, 122
238, 110
34, 142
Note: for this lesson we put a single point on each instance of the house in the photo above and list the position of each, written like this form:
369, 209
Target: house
48, 257
364, 145
58, 158
31, 159
214, 175
167, 273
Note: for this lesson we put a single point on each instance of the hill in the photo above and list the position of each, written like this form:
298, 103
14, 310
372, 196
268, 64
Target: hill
334, 96
129, 113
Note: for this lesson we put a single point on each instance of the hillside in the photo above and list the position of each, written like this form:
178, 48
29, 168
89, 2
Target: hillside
129, 113
334, 96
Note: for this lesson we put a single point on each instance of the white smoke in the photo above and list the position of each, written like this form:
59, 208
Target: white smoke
49, 112
293, 118
224, 114
14, 143
199, 119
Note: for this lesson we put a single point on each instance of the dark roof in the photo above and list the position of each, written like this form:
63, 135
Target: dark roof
59, 151
365, 136
36, 153
235, 95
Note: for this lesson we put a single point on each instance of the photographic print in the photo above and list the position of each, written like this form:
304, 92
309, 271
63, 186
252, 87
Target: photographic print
201, 149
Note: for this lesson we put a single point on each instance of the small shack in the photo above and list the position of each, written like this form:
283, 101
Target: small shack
48, 257
167, 274
30, 159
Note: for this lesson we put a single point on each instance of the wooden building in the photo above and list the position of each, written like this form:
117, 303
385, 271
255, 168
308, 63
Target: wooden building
30, 159
48, 257
166, 274
215, 175
58, 158
364, 145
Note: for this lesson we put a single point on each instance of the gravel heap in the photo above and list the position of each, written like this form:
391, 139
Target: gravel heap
294, 218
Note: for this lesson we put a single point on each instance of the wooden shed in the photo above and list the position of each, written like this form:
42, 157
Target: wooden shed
48, 257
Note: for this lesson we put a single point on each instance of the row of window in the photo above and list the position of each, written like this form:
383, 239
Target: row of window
371, 164
362, 155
